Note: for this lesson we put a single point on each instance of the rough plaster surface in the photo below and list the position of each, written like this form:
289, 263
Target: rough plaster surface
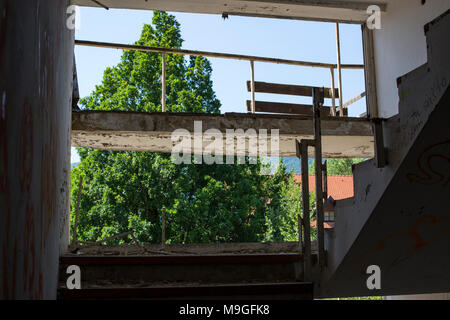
36, 56
400, 46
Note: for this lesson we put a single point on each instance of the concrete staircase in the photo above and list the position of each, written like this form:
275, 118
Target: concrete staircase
398, 218
207, 276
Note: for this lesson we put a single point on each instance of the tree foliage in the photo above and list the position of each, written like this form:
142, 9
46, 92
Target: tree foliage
338, 166
202, 203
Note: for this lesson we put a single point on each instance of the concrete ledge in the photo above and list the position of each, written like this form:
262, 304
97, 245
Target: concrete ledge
197, 249
152, 132
272, 291
150, 270
271, 258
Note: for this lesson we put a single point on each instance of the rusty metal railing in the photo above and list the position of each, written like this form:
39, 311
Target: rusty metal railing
252, 59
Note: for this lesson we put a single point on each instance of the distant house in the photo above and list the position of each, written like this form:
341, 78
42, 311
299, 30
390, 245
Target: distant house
339, 187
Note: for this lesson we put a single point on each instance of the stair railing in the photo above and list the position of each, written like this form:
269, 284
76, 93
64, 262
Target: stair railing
332, 93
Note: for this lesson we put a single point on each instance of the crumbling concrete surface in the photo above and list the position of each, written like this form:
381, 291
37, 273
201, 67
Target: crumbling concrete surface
157, 132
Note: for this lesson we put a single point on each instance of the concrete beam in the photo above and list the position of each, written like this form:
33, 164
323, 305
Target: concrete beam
152, 132
196, 248
324, 10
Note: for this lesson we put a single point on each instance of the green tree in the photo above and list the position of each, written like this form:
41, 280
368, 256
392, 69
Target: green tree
338, 166
131, 190
283, 207
135, 84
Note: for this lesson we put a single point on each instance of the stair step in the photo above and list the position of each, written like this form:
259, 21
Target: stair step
177, 259
287, 290
212, 268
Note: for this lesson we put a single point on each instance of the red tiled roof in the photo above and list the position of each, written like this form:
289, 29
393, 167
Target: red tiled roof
326, 224
339, 187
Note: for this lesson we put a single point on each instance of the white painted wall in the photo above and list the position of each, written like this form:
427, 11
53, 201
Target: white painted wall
400, 46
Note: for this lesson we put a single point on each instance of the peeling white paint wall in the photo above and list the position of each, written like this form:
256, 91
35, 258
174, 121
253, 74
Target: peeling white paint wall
400, 46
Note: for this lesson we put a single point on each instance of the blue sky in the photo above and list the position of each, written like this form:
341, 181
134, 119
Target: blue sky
288, 39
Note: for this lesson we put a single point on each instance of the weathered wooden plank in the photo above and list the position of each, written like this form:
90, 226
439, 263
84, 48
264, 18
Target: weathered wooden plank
333, 93
288, 89
370, 72
286, 108
355, 99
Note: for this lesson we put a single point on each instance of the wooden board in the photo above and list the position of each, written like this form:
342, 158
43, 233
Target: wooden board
286, 108
289, 89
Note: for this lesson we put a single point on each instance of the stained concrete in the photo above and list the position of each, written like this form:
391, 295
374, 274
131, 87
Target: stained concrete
396, 219
36, 57
342, 10
401, 31
152, 132
142, 274
200, 248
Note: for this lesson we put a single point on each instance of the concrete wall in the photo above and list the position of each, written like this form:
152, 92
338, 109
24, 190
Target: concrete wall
36, 61
407, 233
400, 46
